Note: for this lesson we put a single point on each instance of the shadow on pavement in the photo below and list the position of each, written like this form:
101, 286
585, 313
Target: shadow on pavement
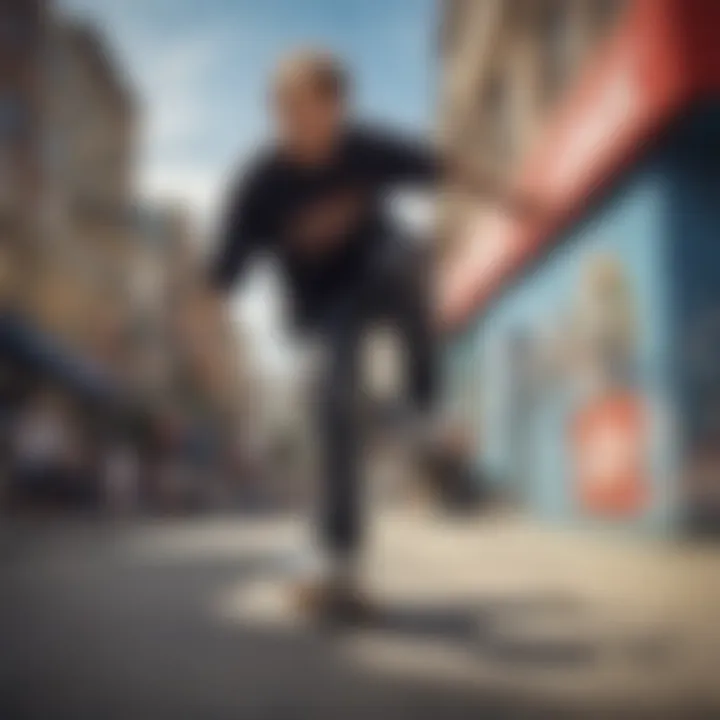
89, 632
490, 628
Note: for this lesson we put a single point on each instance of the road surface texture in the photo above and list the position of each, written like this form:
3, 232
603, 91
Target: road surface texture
148, 620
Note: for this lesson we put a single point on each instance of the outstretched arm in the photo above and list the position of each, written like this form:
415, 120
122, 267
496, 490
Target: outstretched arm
475, 180
404, 160
240, 230
241, 227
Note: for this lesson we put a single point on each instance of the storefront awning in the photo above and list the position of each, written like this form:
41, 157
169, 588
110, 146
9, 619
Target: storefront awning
22, 342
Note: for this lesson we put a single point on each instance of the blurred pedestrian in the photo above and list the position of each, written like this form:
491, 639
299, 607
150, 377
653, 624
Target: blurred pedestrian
121, 477
40, 449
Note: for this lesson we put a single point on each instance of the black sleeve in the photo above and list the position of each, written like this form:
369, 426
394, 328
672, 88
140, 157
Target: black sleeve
241, 230
398, 159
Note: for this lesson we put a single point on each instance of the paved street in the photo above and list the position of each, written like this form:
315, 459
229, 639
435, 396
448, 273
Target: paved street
183, 619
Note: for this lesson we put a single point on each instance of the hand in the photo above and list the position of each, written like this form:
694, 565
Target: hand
489, 186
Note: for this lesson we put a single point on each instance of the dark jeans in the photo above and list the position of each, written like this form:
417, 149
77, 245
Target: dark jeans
393, 289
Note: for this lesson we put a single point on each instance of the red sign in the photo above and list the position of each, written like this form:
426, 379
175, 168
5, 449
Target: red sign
609, 442
664, 55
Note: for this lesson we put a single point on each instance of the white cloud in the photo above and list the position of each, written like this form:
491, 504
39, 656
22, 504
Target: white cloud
416, 212
198, 187
168, 72
260, 309
173, 86
193, 128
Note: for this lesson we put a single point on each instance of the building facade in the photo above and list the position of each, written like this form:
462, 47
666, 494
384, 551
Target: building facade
87, 224
86, 264
582, 340
505, 68
21, 46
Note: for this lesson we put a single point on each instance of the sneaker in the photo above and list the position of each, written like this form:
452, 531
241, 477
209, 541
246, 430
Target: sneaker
333, 602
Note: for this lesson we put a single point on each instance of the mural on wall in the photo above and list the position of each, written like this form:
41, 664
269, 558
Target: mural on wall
609, 428
520, 401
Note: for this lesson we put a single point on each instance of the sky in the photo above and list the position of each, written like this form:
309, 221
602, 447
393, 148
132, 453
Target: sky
200, 69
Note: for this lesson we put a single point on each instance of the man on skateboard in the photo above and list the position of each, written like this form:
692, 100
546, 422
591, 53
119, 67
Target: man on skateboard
315, 200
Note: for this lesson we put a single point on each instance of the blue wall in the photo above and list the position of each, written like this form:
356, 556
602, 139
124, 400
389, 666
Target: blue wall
661, 224
695, 252
523, 430
695, 223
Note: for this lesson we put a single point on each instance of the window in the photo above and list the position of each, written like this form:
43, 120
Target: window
556, 37
12, 116
452, 21
604, 15
15, 33
6, 168
496, 118
54, 153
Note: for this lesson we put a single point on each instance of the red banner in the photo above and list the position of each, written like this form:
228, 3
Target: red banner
664, 55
